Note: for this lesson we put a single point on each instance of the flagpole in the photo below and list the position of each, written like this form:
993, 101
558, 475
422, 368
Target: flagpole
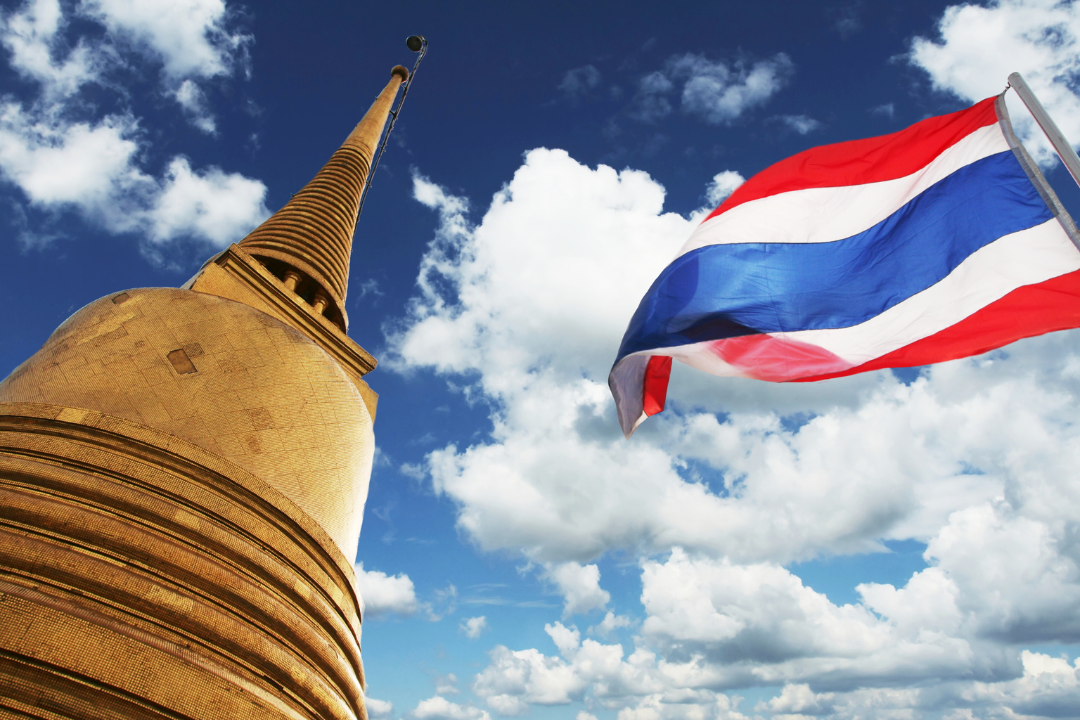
1053, 134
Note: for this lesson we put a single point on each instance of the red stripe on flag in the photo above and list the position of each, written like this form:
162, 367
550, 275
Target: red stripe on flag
1025, 312
774, 359
858, 162
654, 388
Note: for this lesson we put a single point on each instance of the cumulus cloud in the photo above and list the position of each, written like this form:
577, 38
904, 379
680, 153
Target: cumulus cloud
378, 709
705, 635
63, 157
978, 46
209, 204
439, 708
580, 81
726, 625
556, 481
799, 699
515, 679
473, 627
192, 38
384, 594
579, 586
738, 478
30, 35
91, 167
722, 185
94, 170
609, 624
1049, 687
193, 100
1008, 575
637, 685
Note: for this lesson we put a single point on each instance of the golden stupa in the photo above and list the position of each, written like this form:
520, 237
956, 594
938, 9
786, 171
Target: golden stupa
182, 481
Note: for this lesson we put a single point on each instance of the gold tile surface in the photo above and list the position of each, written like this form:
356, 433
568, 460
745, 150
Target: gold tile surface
142, 576
257, 392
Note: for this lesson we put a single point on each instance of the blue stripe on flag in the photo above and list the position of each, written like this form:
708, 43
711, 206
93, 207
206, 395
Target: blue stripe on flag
722, 291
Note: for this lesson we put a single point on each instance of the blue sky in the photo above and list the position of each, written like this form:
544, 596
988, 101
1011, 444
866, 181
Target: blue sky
891, 545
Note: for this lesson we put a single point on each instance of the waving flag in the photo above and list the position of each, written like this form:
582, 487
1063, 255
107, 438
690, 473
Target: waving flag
934, 243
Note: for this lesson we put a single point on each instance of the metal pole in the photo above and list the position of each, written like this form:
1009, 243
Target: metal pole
1053, 134
416, 43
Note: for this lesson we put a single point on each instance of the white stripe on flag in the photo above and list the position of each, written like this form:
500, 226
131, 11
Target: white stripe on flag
1023, 258
818, 215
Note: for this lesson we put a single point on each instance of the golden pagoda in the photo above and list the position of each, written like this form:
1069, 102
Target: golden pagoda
182, 481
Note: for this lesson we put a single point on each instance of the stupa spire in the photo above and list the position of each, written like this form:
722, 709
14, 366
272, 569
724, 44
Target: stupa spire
307, 243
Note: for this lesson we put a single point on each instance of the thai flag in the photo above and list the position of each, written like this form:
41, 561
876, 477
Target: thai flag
934, 243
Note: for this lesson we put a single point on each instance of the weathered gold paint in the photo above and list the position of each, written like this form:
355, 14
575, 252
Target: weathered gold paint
182, 480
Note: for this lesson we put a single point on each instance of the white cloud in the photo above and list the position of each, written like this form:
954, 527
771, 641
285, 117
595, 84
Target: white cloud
1049, 687
378, 709
556, 480
722, 185
446, 684
978, 46
91, 167
580, 81
211, 204
512, 318
997, 573
95, 166
474, 626
725, 625
439, 708
94, 170
636, 685
610, 623
798, 699
383, 594
192, 38
516, 679
801, 124
720, 92
651, 686
193, 100
31, 36
973, 457
579, 586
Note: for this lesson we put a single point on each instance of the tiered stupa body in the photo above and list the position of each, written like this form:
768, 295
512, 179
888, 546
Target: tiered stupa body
182, 481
